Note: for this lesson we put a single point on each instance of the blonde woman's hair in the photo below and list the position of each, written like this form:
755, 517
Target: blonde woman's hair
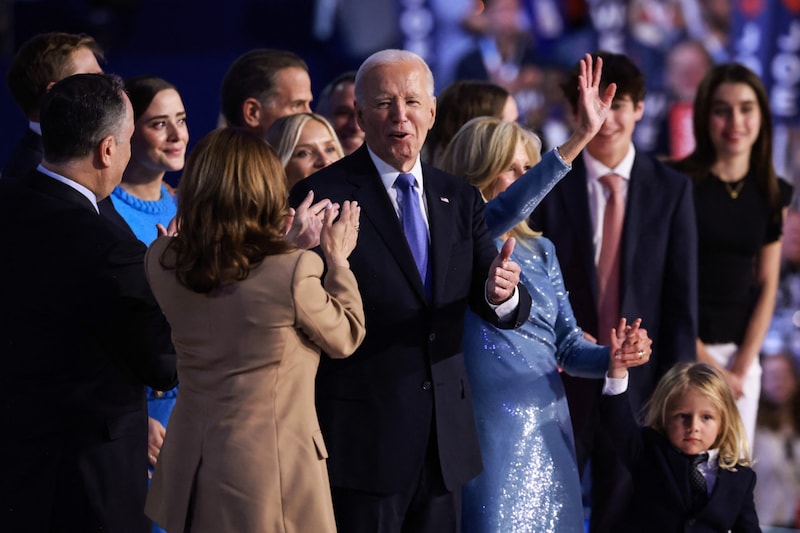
708, 381
232, 208
482, 149
284, 134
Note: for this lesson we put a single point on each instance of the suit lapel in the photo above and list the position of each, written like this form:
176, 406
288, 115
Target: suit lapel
639, 191
379, 211
726, 490
440, 221
574, 200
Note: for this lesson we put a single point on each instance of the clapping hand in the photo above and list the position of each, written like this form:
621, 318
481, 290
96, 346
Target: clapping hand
338, 239
303, 225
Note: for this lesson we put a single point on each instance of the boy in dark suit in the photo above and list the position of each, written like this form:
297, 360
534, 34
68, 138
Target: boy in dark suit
690, 464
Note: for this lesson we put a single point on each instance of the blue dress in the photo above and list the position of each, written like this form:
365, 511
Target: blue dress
530, 480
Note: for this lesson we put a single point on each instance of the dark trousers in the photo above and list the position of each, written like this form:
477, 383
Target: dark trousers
426, 507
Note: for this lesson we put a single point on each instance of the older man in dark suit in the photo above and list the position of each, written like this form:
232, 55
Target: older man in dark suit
397, 415
82, 333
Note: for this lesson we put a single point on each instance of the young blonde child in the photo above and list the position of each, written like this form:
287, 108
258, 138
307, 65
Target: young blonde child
690, 462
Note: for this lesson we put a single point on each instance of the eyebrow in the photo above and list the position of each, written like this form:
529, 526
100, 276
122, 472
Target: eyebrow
314, 143
736, 102
154, 117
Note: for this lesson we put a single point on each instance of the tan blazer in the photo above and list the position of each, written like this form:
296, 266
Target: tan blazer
244, 452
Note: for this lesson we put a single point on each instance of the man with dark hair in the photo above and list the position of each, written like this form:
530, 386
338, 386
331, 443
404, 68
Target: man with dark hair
263, 85
624, 229
337, 104
41, 61
82, 333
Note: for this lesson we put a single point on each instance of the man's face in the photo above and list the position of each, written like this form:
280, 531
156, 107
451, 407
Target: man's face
292, 95
613, 140
84, 62
397, 112
343, 117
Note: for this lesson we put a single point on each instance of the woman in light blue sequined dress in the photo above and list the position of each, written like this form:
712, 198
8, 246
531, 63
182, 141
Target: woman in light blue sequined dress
530, 480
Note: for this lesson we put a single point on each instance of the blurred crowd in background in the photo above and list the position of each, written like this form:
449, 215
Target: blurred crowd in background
522, 45
525, 46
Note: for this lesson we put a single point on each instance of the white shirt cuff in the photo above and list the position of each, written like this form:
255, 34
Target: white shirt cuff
615, 386
505, 309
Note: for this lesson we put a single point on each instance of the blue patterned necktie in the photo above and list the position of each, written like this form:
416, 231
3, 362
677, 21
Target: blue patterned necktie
413, 223
697, 482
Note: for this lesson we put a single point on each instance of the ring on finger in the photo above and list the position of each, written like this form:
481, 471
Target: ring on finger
641, 354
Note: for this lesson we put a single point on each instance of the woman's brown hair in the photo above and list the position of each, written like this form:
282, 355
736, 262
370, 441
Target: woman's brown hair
232, 209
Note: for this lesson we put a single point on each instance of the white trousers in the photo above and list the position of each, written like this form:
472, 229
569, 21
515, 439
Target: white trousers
751, 385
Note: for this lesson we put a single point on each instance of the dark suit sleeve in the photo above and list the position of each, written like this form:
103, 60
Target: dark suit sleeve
618, 422
138, 330
679, 301
485, 252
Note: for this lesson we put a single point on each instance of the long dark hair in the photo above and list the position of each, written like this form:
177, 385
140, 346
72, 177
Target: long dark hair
698, 164
142, 89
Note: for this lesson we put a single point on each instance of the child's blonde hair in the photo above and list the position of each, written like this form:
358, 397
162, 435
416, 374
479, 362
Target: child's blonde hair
705, 379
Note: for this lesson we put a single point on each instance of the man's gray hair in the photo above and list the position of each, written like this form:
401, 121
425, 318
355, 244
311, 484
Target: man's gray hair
390, 57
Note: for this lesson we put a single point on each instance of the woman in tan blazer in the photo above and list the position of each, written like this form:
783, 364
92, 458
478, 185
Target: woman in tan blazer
249, 314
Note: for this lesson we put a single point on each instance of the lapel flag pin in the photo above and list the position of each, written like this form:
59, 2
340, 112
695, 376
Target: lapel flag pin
445, 200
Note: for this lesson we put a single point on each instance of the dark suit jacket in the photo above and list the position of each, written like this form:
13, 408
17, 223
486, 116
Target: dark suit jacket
26, 157
82, 335
662, 494
377, 408
658, 269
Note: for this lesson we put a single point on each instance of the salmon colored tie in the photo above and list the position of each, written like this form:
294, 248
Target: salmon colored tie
608, 308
